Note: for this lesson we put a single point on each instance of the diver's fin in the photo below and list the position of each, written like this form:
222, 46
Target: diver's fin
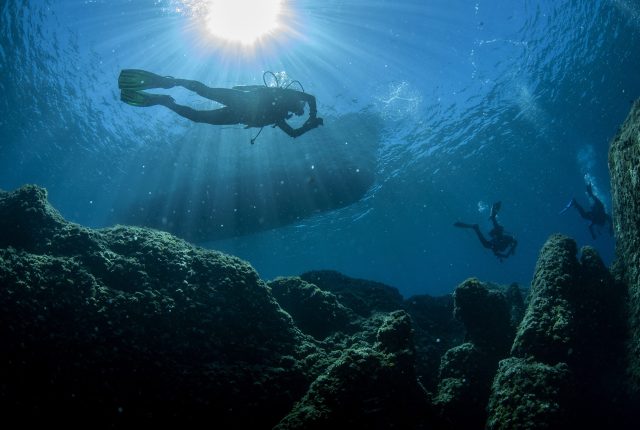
570, 204
136, 80
463, 225
495, 208
142, 99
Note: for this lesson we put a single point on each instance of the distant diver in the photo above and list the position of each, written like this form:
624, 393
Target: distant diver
597, 214
251, 105
502, 244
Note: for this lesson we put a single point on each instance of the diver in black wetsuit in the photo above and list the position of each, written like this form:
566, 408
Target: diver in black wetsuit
597, 215
502, 244
251, 105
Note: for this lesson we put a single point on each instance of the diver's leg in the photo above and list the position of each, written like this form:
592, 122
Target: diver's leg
593, 233
580, 210
226, 96
222, 116
484, 241
495, 208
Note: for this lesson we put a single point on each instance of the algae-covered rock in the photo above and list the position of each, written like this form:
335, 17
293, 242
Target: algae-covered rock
26, 218
547, 330
434, 328
486, 316
395, 334
624, 165
528, 395
566, 368
466, 370
361, 296
435, 331
315, 312
367, 387
514, 296
132, 325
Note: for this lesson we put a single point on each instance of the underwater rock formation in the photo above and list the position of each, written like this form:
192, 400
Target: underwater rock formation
434, 327
466, 371
624, 165
465, 377
486, 316
529, 395
515, 298
361, 296
547, 330
566, 364
435, 332
316, 312
129, 325
367, 387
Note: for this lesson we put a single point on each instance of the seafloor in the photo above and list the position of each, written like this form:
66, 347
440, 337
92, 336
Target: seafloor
130, 326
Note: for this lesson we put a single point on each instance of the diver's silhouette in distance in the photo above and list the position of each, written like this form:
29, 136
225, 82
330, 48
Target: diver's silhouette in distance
596, 214
502, 244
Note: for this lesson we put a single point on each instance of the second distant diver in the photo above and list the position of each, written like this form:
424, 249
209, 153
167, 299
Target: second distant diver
253, 105
597, 214
502, 244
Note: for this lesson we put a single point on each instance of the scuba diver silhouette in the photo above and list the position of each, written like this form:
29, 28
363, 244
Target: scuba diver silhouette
597, 214
251, 105
502, 244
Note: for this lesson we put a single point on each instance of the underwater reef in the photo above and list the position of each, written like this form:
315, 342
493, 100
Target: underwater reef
624, 166
127, 326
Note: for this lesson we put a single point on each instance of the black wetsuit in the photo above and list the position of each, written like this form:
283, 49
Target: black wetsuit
503, 245
597, 214
253, 106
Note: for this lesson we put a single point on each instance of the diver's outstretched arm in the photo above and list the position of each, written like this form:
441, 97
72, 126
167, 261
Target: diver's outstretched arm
311, 100
310, 124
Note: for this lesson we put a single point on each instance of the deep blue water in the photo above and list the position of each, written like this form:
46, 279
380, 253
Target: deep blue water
473, 102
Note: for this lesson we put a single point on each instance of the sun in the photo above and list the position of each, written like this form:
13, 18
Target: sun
243, 21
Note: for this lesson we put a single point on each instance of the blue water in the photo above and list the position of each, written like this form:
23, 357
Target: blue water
476, 101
